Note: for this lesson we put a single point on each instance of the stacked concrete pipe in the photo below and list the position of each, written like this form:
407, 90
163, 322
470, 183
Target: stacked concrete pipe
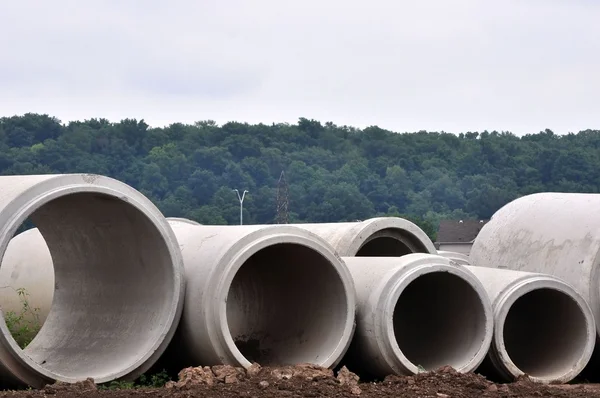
276, 295
381, 236
551, 233
118, 279
542, 327
417, 312
458, 258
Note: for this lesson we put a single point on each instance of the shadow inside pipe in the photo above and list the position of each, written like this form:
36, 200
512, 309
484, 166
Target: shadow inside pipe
286, 305
391, 242
545, 333
439, 320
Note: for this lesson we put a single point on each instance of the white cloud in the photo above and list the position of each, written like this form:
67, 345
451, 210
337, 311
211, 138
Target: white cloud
403, 65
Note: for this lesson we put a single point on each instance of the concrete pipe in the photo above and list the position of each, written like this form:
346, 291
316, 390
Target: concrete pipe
276, 295
119, 282
383, 236
458, 258
417, 312
27, 265
550, 233
543, 327
183, 220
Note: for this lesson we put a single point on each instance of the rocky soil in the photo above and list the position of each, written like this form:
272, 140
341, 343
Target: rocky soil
311, 381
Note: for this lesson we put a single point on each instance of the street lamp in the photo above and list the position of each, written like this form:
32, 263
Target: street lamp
241, 198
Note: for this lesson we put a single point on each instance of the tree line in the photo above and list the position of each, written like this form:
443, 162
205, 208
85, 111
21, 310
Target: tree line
334, 173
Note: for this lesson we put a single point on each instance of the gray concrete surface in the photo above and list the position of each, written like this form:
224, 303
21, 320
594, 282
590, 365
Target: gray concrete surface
277, 295
183, 220
382, 236
118, 279
542, 326
551, 233
416, 311
458, 258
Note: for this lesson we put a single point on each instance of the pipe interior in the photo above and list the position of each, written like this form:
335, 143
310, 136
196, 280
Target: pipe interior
391, 242
439, 320
545, 333
287, 305
113, 286
26, 268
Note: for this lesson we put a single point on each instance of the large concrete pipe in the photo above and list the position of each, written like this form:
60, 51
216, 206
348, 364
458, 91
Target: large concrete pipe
458, 258
27, 265
417, 312
382, 236
119, 282
542, 326
276, 295
550, 233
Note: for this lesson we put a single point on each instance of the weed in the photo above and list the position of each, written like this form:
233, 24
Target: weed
154, 381
157, 380
25, 325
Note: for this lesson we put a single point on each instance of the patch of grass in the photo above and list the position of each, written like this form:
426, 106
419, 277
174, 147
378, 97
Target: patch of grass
157, 380
25, 324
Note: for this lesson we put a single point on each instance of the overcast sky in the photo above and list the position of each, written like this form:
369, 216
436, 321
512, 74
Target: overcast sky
461, 65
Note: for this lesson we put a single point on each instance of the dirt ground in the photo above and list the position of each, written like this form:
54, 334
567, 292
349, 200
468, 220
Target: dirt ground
310, 381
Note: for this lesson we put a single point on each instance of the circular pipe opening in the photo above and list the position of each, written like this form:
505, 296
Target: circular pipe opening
390, 242
27, 285
287, 304
440, 320
113, 290
545, 333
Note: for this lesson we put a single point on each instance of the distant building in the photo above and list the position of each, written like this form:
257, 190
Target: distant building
458, 235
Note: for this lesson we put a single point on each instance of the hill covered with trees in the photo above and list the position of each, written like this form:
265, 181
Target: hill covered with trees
335, 173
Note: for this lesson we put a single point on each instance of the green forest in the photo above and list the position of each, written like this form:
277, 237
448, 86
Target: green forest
334, 173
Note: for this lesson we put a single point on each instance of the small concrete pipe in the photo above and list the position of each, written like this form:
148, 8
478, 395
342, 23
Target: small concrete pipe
276, 295
117, 291
550, 233
542, 327
417, 311
183, 220
382, 236
458, 258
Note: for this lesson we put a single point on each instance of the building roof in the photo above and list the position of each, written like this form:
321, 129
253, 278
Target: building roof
459, 231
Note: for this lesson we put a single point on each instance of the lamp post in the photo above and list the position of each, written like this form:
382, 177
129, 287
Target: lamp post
241, 198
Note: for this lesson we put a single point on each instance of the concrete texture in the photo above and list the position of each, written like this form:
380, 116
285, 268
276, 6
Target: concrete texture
550, 233
276, 295
543, 327
458, 258
118, 279
183, 220
383, 236
415, 311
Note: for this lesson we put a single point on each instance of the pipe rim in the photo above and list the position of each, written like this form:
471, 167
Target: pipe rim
28, 371
502, 307
276, 236
369, 229
393, 289
183, 220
